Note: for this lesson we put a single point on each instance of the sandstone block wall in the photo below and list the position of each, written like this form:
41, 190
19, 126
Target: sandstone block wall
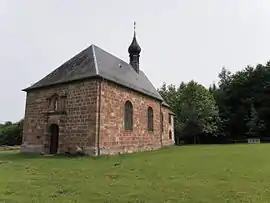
114, 138
76, 117
168, 127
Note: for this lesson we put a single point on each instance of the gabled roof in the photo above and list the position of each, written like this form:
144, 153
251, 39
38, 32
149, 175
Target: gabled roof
94, 61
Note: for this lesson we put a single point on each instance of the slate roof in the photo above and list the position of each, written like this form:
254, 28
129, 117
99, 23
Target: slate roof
94, 61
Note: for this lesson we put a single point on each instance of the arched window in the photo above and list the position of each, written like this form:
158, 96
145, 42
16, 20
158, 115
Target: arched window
54, 102
150, 118
161, 121
170, 134
128, 116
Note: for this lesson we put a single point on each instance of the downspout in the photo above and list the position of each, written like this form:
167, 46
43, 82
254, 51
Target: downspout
160, 128
99, 110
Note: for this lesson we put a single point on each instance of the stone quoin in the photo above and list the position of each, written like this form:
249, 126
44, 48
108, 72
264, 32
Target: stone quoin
97, 104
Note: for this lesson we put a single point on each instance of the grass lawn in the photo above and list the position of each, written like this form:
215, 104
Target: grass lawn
225, 173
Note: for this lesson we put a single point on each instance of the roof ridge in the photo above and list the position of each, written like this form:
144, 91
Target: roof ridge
95, 59
113, 55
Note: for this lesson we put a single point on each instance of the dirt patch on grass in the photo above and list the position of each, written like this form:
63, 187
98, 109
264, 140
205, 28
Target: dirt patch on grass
9, 148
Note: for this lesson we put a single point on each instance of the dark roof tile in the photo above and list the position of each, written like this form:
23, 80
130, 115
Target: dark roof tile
94, 61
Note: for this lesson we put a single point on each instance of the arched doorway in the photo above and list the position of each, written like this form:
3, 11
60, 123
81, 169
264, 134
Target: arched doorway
54, 133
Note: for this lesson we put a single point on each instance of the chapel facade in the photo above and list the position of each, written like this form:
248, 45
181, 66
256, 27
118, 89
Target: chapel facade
98, 103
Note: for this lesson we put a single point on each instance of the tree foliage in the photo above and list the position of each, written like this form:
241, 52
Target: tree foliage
243, 99
195, 109
236, 107
254, 124
11, 133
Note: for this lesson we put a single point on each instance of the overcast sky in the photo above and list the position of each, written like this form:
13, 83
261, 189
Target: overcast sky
181, 40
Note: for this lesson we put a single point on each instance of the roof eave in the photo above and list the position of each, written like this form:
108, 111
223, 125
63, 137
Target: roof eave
95, 76
59, 83
168, 106
133, 89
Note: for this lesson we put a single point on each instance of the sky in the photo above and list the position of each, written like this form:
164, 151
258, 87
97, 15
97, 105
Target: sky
181, 40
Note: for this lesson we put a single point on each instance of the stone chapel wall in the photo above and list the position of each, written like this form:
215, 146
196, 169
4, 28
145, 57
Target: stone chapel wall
114, 139
168, 127
76, 117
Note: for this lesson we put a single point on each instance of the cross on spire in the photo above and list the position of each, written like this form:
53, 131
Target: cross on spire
134, 28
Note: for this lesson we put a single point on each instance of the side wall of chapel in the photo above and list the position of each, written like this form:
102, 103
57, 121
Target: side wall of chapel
114, 139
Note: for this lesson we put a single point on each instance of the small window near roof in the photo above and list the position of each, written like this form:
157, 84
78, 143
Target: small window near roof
170, 118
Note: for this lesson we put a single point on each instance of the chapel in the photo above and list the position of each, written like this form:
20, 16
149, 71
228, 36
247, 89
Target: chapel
99, 104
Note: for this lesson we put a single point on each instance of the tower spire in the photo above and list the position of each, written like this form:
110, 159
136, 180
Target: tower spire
134, 51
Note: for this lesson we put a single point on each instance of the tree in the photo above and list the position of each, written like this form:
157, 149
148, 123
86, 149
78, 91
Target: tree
199, 113
195, 109
237, 93
11, 133
254, 124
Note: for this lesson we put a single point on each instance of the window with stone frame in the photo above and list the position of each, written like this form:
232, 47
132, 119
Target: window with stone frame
54, 103
150, 118
161, 122
170, 134
128, 117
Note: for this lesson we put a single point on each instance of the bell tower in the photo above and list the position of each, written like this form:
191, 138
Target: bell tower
134, 51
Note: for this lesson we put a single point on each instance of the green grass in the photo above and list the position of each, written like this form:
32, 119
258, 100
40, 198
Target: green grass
225, 173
